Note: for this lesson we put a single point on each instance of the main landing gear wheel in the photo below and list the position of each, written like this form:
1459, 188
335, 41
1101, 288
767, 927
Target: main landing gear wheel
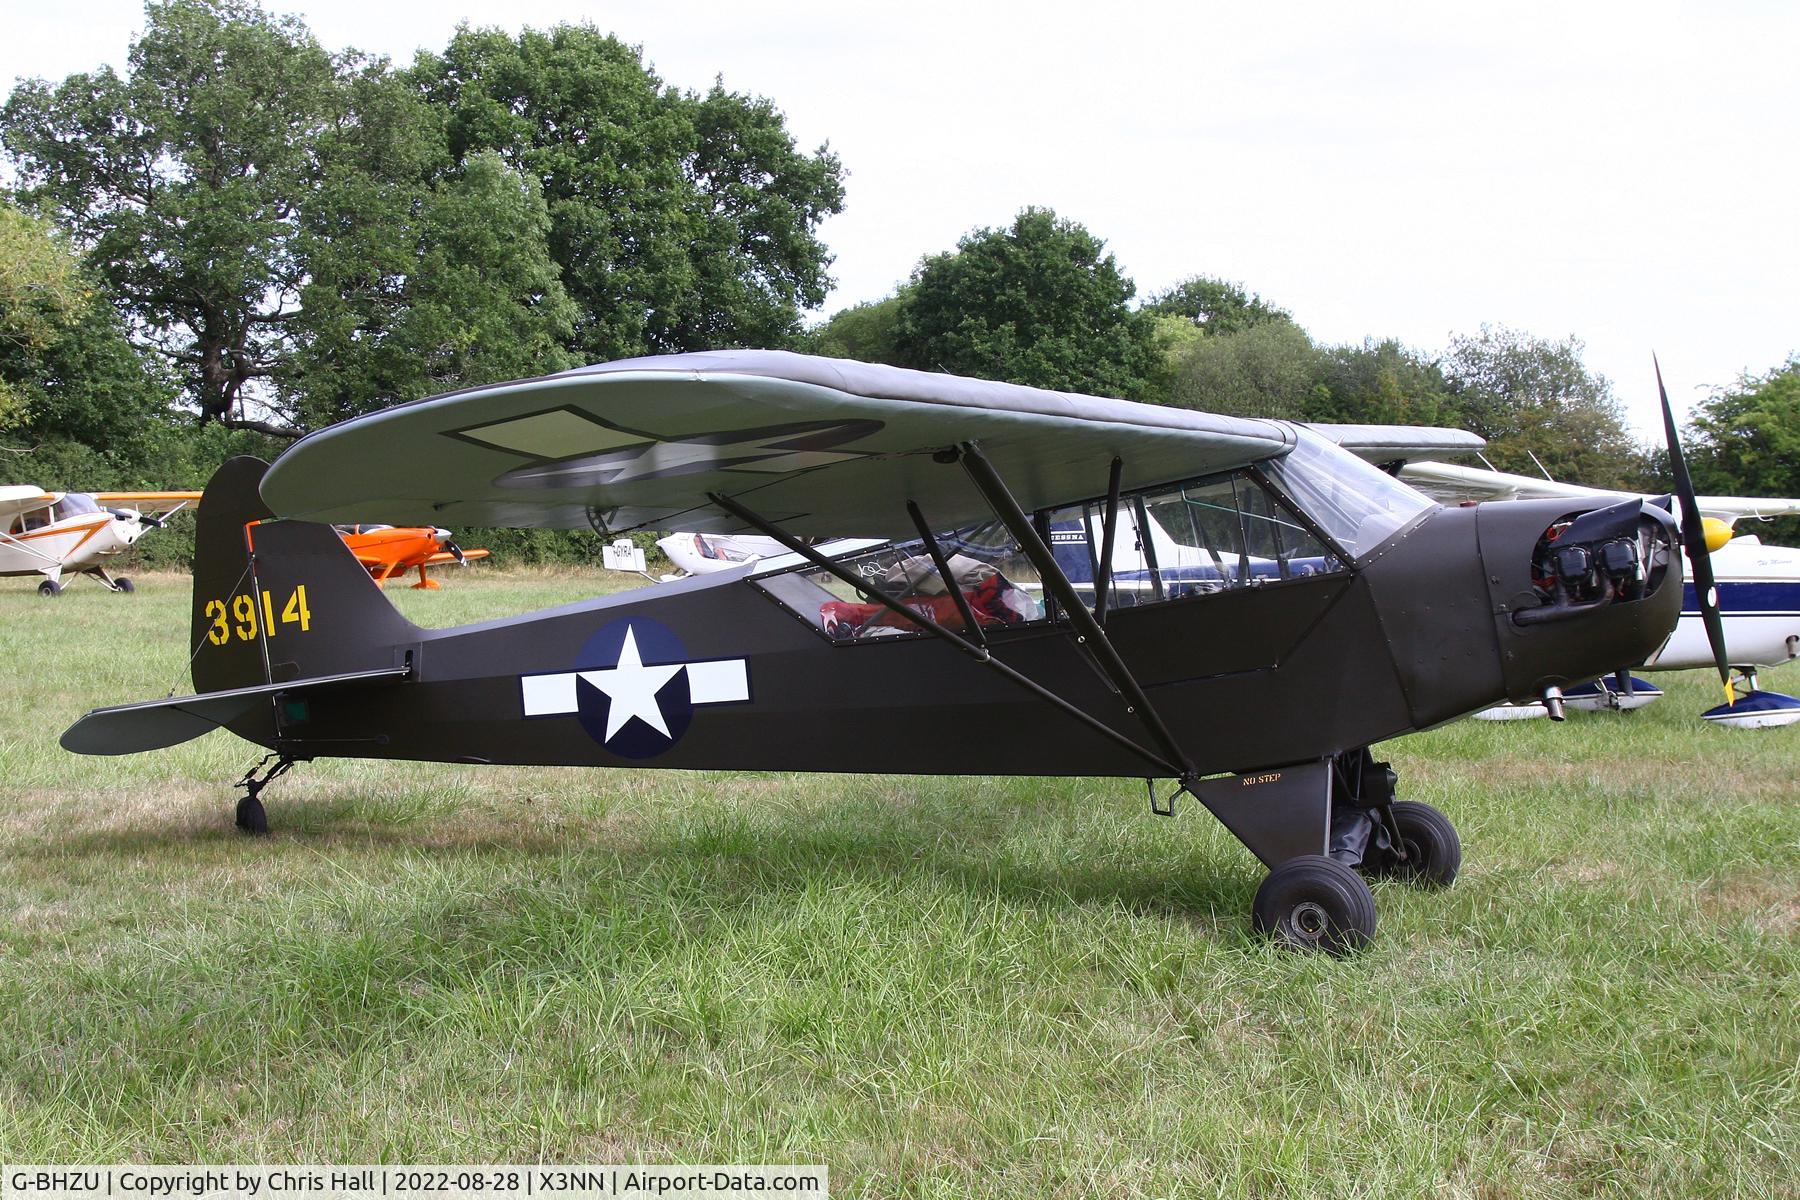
1433, 851
122, 584
1315, 903
252, 818
49, 589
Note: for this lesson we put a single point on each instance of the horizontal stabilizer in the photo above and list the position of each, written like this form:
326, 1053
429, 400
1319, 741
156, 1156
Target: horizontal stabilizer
155, 724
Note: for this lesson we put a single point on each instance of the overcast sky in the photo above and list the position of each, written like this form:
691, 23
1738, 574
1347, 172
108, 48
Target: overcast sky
1623, 173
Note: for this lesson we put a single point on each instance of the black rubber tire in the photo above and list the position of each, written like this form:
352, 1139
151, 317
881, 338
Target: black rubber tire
49, 589
1434, 852
122, 584
1315, 903
252, 818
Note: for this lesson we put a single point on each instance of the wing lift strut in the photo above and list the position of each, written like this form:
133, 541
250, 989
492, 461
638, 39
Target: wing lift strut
1164, 755
1277, 815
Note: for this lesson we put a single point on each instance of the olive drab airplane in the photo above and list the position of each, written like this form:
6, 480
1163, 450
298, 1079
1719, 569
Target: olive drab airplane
1342, 607
54, 534
1758, 595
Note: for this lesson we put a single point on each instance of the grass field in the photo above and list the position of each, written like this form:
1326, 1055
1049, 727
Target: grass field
938, 987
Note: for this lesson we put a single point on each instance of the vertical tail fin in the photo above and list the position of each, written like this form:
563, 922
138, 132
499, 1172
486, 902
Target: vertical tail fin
280, 600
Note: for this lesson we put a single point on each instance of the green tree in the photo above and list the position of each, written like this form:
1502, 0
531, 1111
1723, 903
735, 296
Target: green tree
1269, 369
1215, 305
460, 289
1037, 303
41, 294
865, 332
183, 180
258, 206
68, 378
1382, 383
1530, 396
679, 221
1745, 441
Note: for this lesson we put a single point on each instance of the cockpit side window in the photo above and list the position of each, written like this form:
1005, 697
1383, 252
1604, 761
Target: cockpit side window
1175, 542
1193, 539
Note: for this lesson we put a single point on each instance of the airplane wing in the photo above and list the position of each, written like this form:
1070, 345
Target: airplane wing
1731, 508
148, 502
444, 556
1382, 444
23, 498
824, 446
1449, 483
1452, 484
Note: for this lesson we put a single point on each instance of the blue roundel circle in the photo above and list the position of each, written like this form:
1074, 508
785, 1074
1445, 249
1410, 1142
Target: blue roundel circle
635, 699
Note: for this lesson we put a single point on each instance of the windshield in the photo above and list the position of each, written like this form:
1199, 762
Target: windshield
1359, 505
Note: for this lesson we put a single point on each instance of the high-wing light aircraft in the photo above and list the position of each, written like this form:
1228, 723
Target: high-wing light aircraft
1344, 607
76, 533
388, 550
705, 553
1758, 589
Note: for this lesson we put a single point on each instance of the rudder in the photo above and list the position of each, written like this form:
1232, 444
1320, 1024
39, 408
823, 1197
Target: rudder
277, 600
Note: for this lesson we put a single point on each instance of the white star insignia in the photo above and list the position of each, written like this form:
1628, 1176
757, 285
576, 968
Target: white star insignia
631, 688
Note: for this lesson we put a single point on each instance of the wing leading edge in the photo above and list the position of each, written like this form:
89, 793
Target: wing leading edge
825, 446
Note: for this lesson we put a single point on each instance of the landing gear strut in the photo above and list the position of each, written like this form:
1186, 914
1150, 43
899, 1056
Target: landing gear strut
1323, 827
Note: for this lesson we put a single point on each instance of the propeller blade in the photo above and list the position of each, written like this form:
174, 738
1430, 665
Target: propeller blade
1693, 538
456, 552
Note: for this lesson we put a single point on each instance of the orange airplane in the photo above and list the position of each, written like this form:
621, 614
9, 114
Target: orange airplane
387, 550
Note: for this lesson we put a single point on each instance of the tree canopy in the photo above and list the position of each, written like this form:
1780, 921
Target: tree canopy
41, 295
302, 235
1038, 302
1745, 440
67, 375
679, 221
183, 181
1216, 306
1530, 396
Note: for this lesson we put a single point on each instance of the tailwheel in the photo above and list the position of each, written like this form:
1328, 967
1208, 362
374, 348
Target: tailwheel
252, 817
1315, 903
49, 589
1432, 851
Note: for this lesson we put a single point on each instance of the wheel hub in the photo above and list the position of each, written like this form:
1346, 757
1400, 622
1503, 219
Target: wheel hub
1310, 920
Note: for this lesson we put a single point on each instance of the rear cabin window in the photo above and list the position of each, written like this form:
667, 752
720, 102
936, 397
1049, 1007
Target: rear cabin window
1172, 543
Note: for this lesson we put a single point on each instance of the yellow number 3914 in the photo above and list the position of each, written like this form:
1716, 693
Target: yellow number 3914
242, 620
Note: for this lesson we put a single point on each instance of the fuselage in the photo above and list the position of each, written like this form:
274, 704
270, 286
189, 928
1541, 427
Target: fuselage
1759, 608
772, 667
